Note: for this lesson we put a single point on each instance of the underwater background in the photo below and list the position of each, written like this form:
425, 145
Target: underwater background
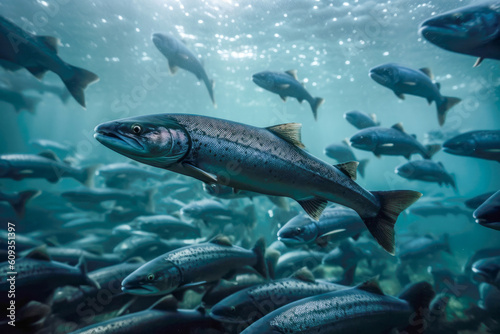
331, 44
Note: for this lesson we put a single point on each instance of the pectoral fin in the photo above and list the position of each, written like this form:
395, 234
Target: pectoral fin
478, 62
400, 95
283, 97
172, 67
200, 174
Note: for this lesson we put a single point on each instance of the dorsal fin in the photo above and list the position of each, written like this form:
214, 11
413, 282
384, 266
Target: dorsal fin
39, 253
293, 74
49, 155
349, 168
399, 127
49, 41
303, 274
371, 286
289, 132
168, 303
221, 240
427, 71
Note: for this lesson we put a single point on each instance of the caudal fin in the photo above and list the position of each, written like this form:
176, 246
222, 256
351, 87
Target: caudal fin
24, 196
392, 203
447, 104
210, 86
419, 296
316, 103
362, 166
87, 176
260, 249
78, 83
431, 150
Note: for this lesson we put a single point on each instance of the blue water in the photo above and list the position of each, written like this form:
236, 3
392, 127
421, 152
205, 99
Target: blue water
332, 45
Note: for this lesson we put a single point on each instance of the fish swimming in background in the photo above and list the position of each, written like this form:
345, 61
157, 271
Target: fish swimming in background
18, 200
179, 56
287, 85
18, 100
343, 153
45, 165
270, 161
391, 141
480, 144
471, 30
23, 81
361, 120
404, 80
38, 54
426, 170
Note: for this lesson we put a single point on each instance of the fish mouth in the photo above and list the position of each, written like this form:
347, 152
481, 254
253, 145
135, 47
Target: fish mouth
489, 224
223, 318
481, 276
117, 141
378, 78
291, 241
140, 290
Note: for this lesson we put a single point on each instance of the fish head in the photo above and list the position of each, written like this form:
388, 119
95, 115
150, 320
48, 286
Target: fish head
352, 116
166, 43
488, 213
154, 140
486, 270
298, 231
234, 308
264, 79
405, 170
463, 29
365, 140
387, 75
156, 277
192, 210
461, 145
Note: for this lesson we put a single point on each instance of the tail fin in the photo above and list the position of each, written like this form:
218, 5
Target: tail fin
272, 257
392, 203
78, 82
348, 276
87, 176
210, 86
362, 166
419, 296
260, 249
82, 266
445, 238
431, 150
24, 196
64, 95
150, 204
442, 108
317, 102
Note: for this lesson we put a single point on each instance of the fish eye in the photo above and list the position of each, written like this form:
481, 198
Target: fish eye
299, 230
233, 308
151, 277
136, 129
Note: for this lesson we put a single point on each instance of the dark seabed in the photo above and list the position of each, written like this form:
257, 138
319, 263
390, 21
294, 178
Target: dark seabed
102, 234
